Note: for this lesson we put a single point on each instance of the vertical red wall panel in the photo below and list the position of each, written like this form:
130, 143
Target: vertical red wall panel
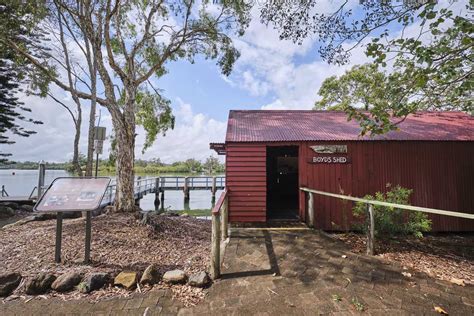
441, 175
246, 181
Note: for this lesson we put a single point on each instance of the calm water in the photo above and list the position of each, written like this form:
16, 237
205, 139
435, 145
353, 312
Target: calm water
21, 182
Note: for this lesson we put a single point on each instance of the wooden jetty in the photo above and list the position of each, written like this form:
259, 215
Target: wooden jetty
158, 186
143, 186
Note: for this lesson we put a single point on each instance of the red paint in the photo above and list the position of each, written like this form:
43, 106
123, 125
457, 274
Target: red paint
441, 173
279, 126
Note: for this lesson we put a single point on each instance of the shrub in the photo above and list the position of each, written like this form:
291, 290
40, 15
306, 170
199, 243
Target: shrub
391, 221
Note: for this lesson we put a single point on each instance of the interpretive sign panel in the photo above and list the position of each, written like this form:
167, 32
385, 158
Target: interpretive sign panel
73, 194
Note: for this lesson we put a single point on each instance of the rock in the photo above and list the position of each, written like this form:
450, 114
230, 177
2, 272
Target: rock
40, 284
184, 215
175, 276
66, 282
27, 208
151, 275
457, 281
13, 205
94, 282
126, 279
6, 211
8, 283
200, 279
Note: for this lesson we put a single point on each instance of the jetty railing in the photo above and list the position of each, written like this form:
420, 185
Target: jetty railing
4, 192
220, 226
370, 211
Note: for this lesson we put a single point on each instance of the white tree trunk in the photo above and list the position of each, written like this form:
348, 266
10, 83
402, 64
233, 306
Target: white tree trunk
125, 133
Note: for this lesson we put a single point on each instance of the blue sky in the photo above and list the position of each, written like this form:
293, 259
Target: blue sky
270, 74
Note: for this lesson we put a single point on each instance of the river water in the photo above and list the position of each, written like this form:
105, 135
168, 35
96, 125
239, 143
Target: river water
22, 182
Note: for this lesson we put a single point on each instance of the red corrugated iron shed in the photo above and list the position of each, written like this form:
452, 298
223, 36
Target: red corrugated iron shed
282, 126
431, 153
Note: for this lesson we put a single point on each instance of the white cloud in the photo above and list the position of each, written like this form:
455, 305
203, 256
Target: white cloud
189, 139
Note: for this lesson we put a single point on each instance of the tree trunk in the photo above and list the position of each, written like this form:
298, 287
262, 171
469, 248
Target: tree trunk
77, 137
125, 200
92, 64
90, 140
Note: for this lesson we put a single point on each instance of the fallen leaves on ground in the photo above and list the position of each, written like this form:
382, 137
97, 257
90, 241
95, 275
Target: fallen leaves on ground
443, 256
119, 243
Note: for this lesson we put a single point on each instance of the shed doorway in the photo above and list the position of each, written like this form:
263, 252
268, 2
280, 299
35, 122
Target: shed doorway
282, 182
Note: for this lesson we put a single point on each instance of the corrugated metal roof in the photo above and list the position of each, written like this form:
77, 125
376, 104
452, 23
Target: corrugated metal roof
291, 125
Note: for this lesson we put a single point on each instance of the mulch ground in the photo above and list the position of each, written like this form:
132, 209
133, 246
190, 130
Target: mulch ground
443, 256
119, 242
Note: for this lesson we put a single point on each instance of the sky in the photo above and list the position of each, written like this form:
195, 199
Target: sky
270, 74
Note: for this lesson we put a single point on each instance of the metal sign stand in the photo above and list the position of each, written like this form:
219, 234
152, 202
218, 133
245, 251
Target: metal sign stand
59, 233
73, 195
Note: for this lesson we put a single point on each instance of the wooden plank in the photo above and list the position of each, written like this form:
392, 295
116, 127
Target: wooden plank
245, 169
248, 203
244, 160
231, 164
232, 184
260, 154
248, 198
247, 219
248, 189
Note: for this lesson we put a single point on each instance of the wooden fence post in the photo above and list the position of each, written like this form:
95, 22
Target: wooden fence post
310, 209
157, 192
41, 176
214, 188
370, 230
225, 219
216, 247
186, 189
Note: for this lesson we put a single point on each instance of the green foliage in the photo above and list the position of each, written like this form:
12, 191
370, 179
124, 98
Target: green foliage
212, 165
434, 74
428, 67
17, 21
362, 92
391, 221
154, 114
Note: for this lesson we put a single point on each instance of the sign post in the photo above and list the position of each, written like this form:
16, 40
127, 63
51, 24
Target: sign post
99, 137
73, 195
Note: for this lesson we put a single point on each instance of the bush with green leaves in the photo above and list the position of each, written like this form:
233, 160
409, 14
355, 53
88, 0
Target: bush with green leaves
390, 221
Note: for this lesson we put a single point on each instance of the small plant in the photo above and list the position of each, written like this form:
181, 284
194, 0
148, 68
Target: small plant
391, 221
336, 298
357, 305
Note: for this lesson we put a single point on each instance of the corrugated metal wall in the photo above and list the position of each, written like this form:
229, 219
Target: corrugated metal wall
441, 175
246, 180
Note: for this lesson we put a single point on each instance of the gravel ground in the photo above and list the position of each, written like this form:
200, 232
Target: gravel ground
443, 256
119, 243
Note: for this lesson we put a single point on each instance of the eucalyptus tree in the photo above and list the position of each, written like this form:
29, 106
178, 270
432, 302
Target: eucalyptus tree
133, 41
426, 48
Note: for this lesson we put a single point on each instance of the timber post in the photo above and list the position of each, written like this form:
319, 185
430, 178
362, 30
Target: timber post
162, 189
370, 229
41, 176
225, 220
216, 247
157, 192
310, 209
186, 189
214, 188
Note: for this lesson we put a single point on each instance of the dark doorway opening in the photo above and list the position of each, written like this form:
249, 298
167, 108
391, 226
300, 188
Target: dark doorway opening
282, 182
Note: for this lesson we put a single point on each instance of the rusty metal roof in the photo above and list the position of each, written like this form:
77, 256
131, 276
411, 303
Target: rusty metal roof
291, 125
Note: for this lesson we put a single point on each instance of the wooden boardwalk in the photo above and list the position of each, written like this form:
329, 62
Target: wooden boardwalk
144, 186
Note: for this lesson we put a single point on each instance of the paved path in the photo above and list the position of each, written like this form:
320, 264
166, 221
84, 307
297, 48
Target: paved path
305, 273
297, 272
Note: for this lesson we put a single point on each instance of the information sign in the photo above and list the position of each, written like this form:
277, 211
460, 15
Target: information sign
73, 194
